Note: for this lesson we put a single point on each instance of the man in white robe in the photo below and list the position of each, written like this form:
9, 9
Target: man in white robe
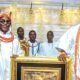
33, 44
48, 48
23, 41
8, 46
69, 44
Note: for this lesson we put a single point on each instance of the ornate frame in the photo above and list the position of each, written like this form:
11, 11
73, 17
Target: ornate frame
36, 68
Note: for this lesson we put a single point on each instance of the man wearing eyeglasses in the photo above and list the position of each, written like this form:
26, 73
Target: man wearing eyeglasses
8, 46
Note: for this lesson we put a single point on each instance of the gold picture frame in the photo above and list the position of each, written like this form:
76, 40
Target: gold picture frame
36, 68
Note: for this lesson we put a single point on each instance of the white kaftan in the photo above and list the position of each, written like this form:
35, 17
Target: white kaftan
68, 43
7, 49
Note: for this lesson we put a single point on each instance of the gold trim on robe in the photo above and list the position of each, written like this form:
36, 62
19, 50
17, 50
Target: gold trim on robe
25, 47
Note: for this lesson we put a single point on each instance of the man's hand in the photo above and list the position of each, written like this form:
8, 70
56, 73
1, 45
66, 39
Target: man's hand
62, 56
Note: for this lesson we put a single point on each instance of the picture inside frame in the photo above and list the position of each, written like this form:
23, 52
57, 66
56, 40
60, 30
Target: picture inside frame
39, 73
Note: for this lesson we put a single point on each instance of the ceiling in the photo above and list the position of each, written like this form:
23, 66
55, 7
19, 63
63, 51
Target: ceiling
66, 3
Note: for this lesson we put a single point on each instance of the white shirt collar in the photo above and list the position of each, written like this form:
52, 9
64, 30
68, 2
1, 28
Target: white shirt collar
34, 44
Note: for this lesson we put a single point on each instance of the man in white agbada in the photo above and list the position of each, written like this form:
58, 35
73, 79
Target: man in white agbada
23, 41
69, 44
48, 48
33, 44
8, 46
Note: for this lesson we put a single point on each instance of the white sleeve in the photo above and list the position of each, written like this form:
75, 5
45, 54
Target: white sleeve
67, 40
16, 48
41, 51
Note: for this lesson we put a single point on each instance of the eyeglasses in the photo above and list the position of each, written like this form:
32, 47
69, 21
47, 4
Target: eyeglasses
2, 21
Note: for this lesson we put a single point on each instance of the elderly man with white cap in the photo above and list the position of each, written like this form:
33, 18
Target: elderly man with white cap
8, 46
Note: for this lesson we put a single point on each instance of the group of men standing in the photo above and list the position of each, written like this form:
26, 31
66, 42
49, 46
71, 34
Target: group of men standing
69, 44
35, 47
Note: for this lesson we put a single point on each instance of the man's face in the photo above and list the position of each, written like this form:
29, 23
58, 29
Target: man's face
50, 36
20, 32
5, 23
32, 36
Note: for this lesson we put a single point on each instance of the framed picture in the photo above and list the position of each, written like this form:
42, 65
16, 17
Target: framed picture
34, 68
